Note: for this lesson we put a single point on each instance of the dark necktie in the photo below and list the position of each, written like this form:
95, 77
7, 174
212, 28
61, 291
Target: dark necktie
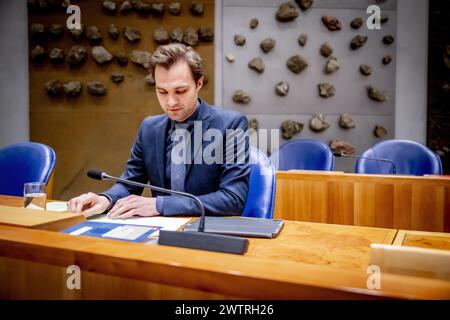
180, 146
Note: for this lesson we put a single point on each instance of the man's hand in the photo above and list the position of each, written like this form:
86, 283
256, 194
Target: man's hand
134, 206
88, 204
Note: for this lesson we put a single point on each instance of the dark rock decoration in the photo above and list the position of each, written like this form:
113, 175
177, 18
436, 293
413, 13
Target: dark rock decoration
388, 39
379, 131
117, 77
376, 94
253, 124
161, 36
332, 23
121, 58
257, 65
101, 55
141, 58
38, 31
230, 58
158, 9
109, 6
304, 4
341, 146
239, 40
326, 90
358, 41
387, 59
190, 37
77, 33
384, 18
332, 65
267, 44
38, 54
57, 56
96, 88
357, 23
302, 39
93, 34
318, 123
177, 35
254, 23
132, 34
287, 12
56, 31
290, 128
174, 8
241, 97
346, 121
296, 64
447, 57
125, 7
142, 8
326, 50
53, 88
196, 8
77, 55
113, 31
365, 69
282, 88
206, 34
150, 80
73, 88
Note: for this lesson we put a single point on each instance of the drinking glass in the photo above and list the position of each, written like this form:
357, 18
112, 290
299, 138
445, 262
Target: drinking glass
34, 196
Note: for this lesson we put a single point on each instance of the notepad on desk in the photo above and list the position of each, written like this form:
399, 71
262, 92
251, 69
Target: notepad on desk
245, 227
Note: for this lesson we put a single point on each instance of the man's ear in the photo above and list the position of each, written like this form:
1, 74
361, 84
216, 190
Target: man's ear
200, 83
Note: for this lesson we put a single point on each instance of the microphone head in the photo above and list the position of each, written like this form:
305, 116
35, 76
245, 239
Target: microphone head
95, 174
337, 154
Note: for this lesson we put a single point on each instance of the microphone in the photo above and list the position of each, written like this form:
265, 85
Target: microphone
189, 239
341, 154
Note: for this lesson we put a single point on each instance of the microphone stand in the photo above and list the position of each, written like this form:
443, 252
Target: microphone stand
338, 154
194, 239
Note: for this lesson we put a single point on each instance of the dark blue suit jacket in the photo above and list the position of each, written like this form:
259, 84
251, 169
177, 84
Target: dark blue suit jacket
222, 187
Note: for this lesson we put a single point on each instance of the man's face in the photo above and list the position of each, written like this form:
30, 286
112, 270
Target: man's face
176, 90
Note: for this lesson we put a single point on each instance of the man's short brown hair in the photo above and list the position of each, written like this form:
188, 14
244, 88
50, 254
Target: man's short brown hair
167, 55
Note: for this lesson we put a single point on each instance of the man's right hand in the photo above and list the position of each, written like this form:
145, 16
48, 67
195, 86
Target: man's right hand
88, 204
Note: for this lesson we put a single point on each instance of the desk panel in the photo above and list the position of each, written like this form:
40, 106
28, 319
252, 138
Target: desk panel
383, 201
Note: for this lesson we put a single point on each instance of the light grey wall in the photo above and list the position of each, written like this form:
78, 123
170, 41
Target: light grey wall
14, 96
412, 69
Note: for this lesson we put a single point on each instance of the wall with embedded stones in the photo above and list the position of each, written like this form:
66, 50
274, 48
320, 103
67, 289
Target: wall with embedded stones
303, 101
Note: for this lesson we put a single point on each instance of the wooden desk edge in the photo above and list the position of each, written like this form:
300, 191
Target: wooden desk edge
231, 275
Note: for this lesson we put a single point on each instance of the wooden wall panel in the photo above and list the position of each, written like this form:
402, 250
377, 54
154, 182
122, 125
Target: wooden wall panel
400, 202
98, 131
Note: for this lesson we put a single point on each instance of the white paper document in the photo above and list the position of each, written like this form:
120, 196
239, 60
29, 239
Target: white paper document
126, 232
166, 223
60, 206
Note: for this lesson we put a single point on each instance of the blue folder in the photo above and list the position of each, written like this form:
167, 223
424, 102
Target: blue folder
100, 230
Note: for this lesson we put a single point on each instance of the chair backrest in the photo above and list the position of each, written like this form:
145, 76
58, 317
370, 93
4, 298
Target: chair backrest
261, 192
303, 154
24, 162
409, 157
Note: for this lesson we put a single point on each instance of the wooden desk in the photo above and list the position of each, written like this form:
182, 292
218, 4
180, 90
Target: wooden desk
307, 260
421, 239
385, 201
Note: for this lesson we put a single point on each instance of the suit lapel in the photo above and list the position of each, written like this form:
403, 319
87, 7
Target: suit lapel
203, 116
159, 132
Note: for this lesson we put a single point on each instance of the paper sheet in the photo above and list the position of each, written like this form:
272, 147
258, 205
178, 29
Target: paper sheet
60, 206
167, 223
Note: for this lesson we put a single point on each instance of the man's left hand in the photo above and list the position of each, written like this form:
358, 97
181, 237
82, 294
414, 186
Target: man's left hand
133, 206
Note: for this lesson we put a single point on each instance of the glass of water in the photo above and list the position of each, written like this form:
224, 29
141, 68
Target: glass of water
34, 196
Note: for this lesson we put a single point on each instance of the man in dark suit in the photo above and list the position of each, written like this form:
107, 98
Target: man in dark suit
164, 155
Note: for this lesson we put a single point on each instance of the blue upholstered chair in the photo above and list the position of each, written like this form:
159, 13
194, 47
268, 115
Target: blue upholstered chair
261, 193
303, 154
24, 162
409, 157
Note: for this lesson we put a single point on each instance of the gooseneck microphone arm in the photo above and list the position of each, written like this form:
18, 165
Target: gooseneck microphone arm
99, 175
195, 240
340, 154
